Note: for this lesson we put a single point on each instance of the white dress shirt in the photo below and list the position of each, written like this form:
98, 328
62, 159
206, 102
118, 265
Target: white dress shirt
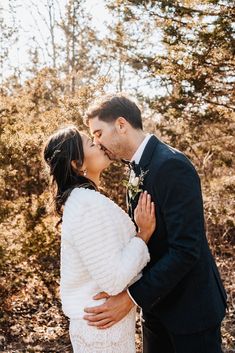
138, 153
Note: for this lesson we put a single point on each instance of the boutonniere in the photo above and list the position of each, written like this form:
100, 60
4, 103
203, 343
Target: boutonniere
135, 183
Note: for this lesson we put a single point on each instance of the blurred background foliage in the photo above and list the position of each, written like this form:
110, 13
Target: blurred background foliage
177, 59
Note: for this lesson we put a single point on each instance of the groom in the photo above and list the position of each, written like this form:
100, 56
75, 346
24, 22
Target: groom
180, 293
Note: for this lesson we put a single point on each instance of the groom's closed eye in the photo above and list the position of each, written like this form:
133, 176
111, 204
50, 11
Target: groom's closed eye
97, 133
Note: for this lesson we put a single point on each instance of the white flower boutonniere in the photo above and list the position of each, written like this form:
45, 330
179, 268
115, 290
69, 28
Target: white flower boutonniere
135, 183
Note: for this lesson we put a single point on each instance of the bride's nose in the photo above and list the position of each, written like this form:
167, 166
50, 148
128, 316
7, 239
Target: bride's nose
98, 145
95, 140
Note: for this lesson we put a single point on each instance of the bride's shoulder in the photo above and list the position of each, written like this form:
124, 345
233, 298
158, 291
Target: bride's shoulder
87, 196
83, 193
82, 200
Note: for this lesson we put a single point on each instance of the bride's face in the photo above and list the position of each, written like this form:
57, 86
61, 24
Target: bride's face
95, 159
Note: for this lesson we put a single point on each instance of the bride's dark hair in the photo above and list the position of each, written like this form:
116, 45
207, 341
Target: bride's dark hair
62, 147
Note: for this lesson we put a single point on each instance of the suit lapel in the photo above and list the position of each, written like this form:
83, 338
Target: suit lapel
143, 164
148, 152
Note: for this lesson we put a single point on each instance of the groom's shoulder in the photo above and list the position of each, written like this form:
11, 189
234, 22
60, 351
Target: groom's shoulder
166, 154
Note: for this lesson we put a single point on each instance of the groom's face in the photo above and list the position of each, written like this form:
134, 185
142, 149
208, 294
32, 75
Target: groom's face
106, 134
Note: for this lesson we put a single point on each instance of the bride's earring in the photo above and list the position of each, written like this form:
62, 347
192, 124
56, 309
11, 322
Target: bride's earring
85, 172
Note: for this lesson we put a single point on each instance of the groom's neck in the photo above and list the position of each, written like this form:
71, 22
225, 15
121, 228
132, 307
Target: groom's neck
136, 137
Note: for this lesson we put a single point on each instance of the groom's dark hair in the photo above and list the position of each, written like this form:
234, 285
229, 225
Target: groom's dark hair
109, 108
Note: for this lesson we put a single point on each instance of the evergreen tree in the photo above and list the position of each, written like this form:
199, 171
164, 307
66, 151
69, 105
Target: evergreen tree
192, 62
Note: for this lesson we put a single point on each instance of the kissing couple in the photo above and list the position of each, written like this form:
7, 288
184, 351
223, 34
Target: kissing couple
157, 257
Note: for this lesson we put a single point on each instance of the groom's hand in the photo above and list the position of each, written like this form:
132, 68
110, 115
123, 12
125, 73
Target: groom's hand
109, 313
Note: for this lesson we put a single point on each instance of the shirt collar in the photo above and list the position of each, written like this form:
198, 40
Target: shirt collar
138, 154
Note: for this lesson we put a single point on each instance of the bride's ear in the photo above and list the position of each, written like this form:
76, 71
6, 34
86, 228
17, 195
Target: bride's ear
74, 165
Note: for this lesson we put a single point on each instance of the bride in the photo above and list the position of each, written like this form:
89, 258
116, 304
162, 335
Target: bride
101, 251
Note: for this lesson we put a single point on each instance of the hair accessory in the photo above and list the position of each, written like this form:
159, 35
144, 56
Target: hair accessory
49, 160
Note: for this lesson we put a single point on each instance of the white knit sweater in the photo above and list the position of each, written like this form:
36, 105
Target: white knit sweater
99, 250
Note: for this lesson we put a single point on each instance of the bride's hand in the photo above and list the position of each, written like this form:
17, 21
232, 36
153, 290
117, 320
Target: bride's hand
144, 216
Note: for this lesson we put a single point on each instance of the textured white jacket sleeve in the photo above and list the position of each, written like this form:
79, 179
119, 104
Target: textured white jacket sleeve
96, 239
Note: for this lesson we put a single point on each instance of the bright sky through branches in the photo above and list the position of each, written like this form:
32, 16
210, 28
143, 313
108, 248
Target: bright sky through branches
31, 18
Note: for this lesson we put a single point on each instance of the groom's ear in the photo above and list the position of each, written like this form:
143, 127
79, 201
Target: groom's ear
121, 124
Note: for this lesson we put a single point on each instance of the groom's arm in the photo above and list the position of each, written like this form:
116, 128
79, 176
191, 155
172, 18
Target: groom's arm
178, 194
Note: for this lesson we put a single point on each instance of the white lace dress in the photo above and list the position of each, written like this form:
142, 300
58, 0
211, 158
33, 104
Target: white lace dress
119, 338
99, 252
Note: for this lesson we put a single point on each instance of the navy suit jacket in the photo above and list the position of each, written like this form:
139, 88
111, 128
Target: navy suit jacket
181, 285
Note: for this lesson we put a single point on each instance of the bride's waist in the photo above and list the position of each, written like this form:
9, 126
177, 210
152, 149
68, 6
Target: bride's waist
76, 298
